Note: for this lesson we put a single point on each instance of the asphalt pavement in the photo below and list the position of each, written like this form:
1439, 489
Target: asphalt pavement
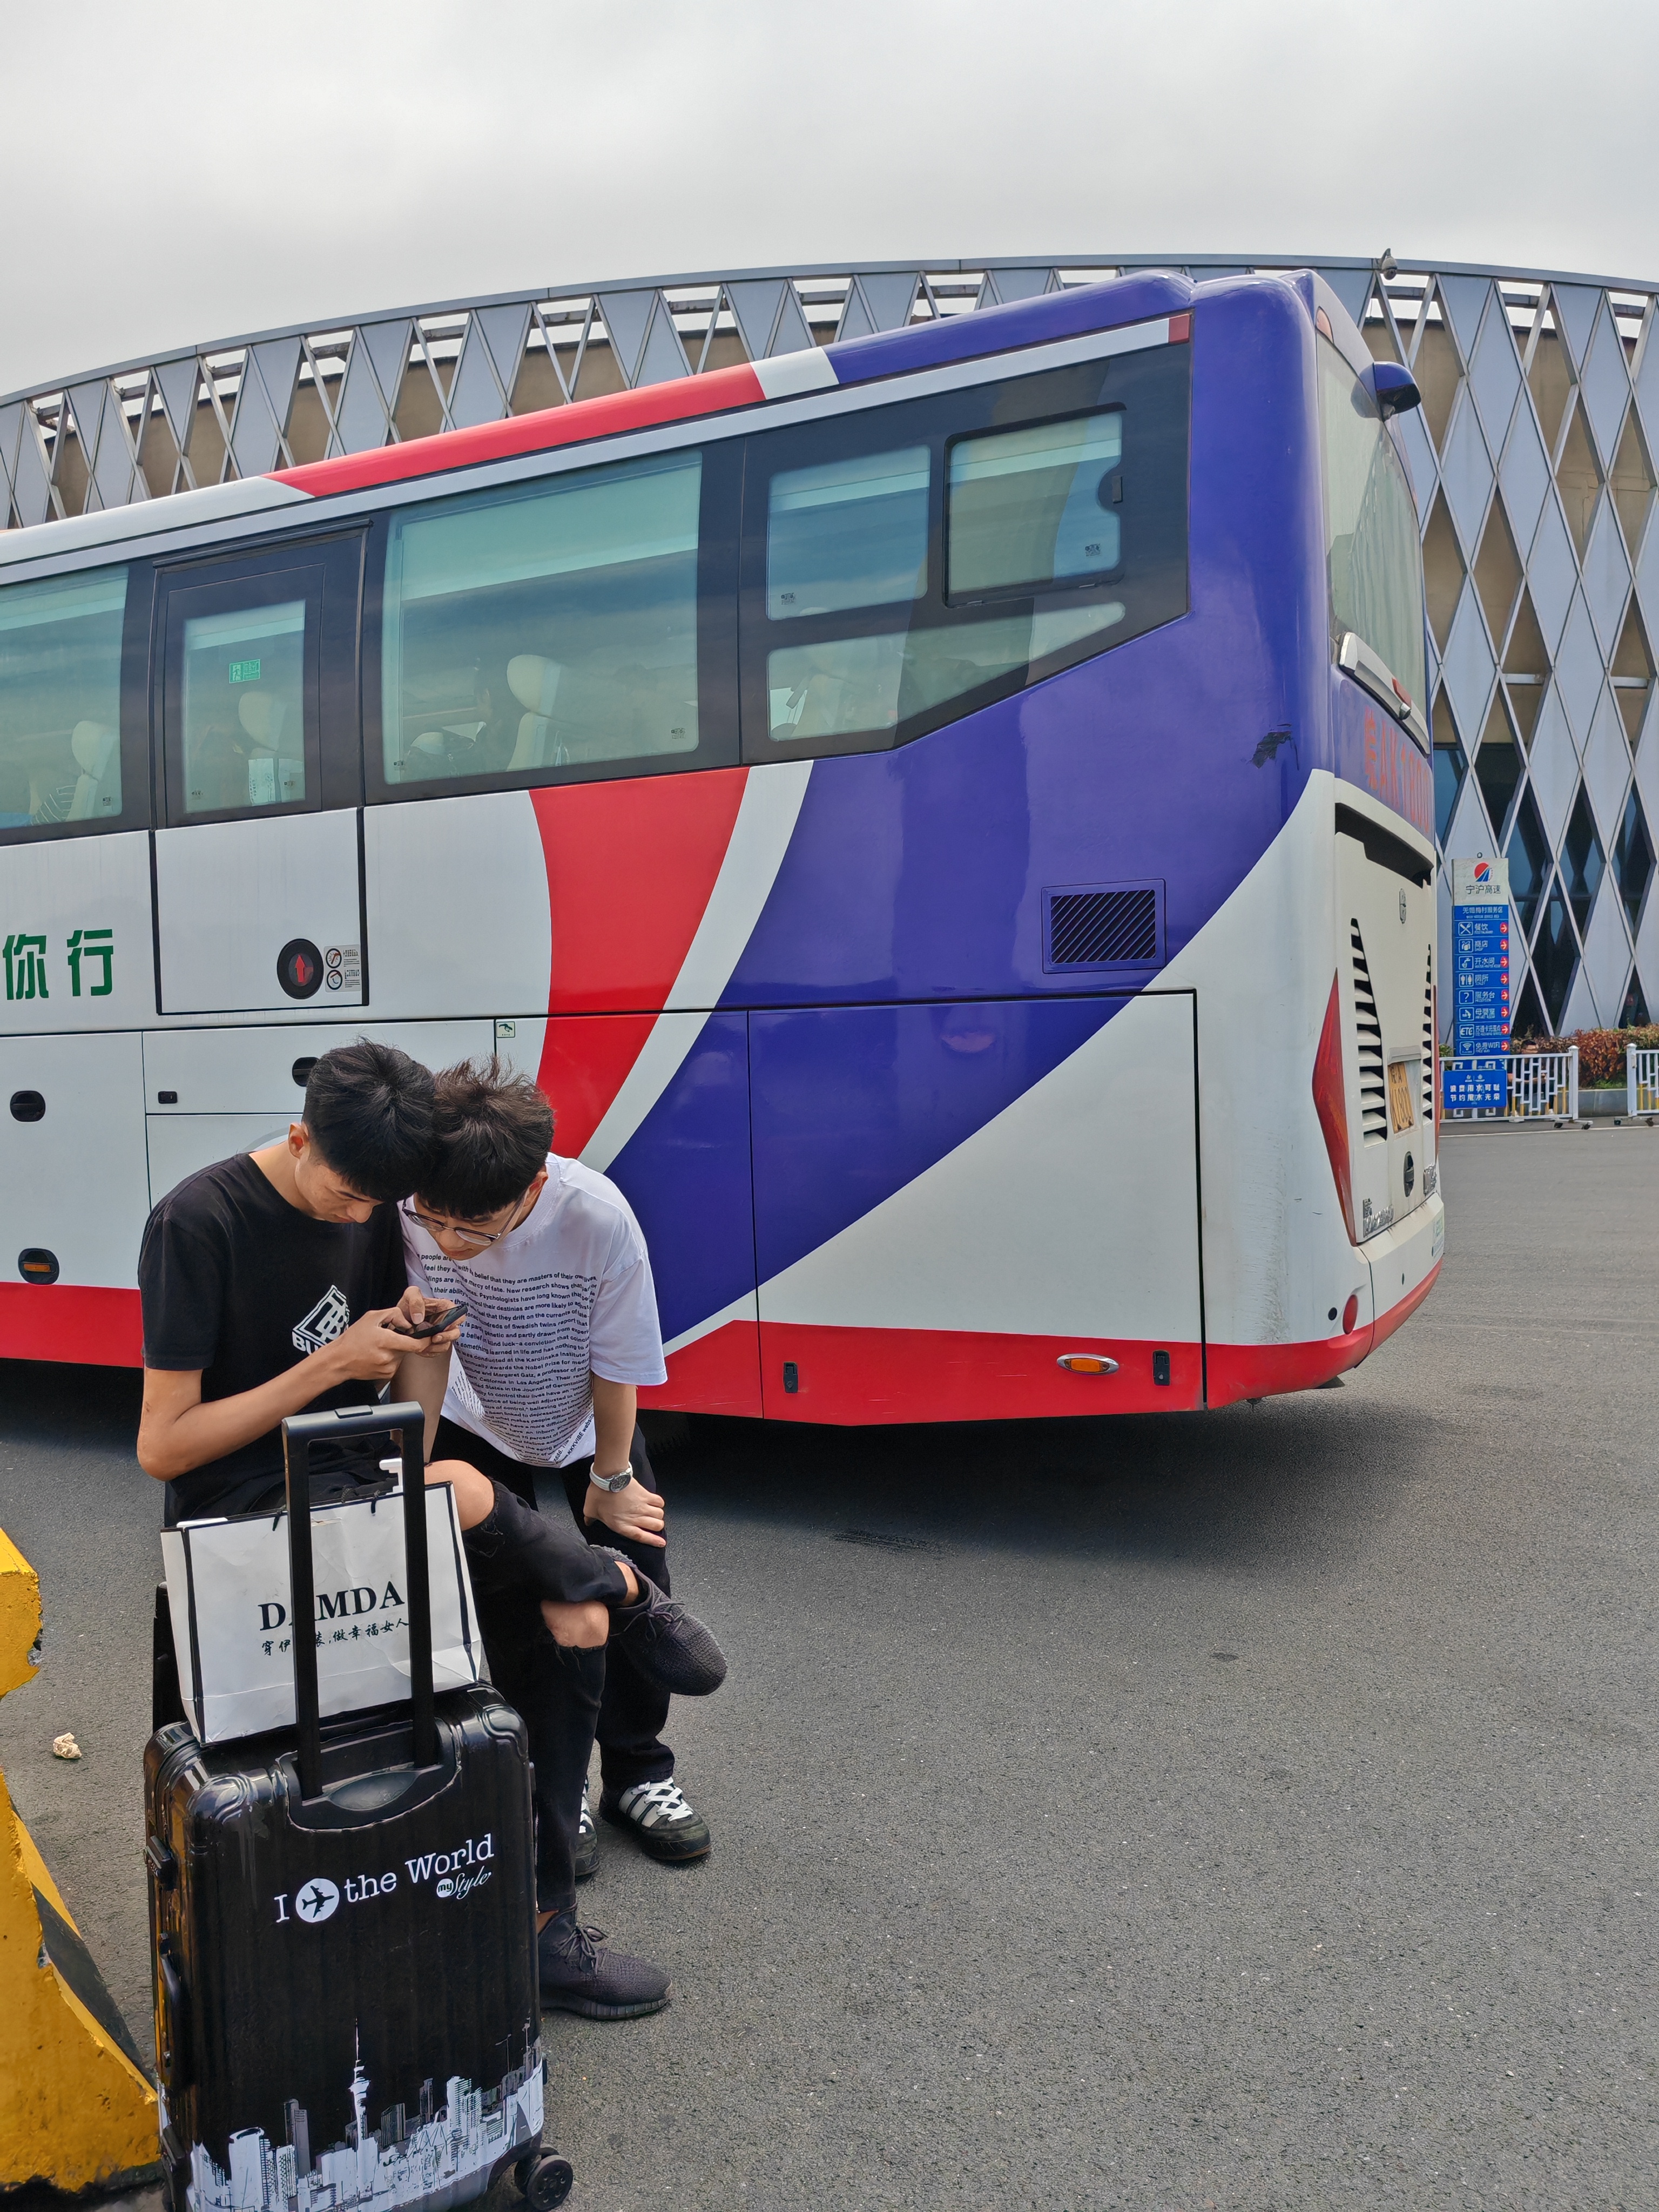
1243, 1810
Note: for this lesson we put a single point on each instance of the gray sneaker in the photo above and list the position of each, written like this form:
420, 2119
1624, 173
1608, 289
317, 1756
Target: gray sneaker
670, 1646
581, 1973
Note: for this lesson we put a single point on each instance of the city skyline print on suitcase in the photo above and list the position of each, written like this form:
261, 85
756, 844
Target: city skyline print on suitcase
445, 2154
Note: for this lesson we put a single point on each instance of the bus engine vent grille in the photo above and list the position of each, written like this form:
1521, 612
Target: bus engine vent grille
1115, 926
1373, 1091
1430, 1052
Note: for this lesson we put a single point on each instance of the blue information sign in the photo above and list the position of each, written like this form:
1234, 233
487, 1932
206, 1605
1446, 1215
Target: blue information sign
1474, 1086
1480, 960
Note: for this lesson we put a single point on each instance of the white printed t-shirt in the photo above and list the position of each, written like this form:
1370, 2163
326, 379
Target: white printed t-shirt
566, 1294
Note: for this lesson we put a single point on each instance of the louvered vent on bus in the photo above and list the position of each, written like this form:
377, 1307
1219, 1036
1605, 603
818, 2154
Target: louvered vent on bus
1431, 1054
1373, 1091
1111, 925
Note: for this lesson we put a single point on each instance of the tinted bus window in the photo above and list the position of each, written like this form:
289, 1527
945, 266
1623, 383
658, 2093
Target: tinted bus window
1375, 565
852, 533
549, 627
60, 700
904, 565
243, 709
1033, 507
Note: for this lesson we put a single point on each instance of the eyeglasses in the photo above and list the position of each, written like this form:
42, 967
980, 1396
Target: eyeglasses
478, 1238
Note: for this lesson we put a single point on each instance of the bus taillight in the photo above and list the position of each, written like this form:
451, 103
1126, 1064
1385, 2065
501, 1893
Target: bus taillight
1331, 1104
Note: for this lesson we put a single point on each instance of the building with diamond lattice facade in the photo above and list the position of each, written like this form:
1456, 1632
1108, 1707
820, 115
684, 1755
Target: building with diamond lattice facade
1531, 459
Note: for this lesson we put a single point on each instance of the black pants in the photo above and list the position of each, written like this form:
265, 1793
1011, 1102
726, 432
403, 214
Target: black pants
567, 1697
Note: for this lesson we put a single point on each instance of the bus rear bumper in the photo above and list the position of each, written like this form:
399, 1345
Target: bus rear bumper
1403, 1264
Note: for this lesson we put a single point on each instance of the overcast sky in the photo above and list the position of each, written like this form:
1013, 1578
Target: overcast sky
175, 172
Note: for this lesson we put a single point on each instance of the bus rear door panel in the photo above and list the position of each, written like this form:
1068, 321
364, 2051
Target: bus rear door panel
258, 887
73, 1196
951, 1198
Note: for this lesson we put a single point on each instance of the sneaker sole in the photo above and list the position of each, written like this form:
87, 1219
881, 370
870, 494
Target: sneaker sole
588, 1866
662, 1848
591, 2008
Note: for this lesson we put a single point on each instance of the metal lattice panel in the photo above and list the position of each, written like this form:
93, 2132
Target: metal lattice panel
1531, 458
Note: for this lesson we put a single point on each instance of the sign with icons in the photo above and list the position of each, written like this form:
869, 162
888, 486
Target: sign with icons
1480, 957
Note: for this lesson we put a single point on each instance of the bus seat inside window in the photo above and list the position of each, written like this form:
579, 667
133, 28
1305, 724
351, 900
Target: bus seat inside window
848, 533
243, 708
60, 700
1374, 566
1035, 506
541, 627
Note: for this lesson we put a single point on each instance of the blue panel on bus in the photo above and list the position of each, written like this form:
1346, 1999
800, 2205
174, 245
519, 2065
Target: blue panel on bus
919, 873
685, 1173
850, 1103
1041, 321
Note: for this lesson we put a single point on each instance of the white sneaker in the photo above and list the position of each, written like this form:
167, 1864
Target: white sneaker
587, 1841
659, 1819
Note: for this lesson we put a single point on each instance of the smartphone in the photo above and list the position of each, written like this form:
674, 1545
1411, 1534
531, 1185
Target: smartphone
447, 1319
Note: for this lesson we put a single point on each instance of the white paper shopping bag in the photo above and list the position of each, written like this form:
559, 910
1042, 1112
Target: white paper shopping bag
227, 1593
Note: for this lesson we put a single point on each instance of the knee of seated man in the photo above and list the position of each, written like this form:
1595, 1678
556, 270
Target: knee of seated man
475, 1494
583, 1626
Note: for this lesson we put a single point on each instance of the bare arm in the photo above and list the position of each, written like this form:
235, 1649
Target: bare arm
177, 1432
615, 1409
424, 1377
635, 1513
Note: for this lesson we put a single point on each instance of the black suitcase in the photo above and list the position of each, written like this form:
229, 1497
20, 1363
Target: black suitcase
342, 1932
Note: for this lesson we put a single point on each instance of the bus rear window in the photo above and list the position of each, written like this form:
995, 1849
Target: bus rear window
535, 630
60, 700
1375, 564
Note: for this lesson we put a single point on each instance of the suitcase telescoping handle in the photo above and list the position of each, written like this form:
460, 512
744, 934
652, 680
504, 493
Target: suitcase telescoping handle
407, 1423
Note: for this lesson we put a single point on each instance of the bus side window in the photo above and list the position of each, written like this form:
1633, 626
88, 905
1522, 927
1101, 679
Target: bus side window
1372, 556
549, 632
905, 564
60, 701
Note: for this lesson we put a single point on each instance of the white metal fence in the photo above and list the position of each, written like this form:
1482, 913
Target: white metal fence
1641, 1079
1542, 1086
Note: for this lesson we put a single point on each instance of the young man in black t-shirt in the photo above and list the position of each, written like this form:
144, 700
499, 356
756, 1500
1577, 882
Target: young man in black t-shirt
274, 1282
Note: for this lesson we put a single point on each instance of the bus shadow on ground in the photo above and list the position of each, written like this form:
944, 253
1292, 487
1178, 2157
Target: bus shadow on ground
1293, 1481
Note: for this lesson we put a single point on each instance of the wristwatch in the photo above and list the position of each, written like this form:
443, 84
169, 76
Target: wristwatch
609, 1481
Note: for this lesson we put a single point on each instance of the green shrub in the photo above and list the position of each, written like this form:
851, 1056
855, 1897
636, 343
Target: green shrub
1601, 1053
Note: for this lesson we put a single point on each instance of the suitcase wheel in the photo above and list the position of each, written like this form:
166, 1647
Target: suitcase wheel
545, 2180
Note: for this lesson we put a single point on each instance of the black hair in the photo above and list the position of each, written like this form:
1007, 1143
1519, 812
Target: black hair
369, 1111
492, 1131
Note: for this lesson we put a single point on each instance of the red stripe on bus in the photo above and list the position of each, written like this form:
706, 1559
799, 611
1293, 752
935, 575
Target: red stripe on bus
80, 1321
718, 1374
630, 869
611, 416
584, 1064
850, 1376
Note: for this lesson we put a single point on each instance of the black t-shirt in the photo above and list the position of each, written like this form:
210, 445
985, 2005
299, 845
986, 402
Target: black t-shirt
240, 1284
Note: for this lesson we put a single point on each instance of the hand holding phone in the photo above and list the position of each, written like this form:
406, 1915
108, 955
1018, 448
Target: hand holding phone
436, 1327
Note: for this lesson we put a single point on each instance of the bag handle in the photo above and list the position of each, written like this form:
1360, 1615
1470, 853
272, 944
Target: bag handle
407, 1423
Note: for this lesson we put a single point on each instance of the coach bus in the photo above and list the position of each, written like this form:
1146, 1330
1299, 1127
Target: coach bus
947, 818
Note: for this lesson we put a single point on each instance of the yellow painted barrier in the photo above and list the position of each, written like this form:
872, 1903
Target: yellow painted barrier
75, 2108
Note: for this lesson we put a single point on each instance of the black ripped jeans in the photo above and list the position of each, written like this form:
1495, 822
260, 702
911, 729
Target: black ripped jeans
567, 1697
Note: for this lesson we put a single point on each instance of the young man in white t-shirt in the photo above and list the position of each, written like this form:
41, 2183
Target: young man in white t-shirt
560, 1334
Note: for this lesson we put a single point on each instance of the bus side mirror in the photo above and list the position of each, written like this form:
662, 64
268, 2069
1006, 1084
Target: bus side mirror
1393, 389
